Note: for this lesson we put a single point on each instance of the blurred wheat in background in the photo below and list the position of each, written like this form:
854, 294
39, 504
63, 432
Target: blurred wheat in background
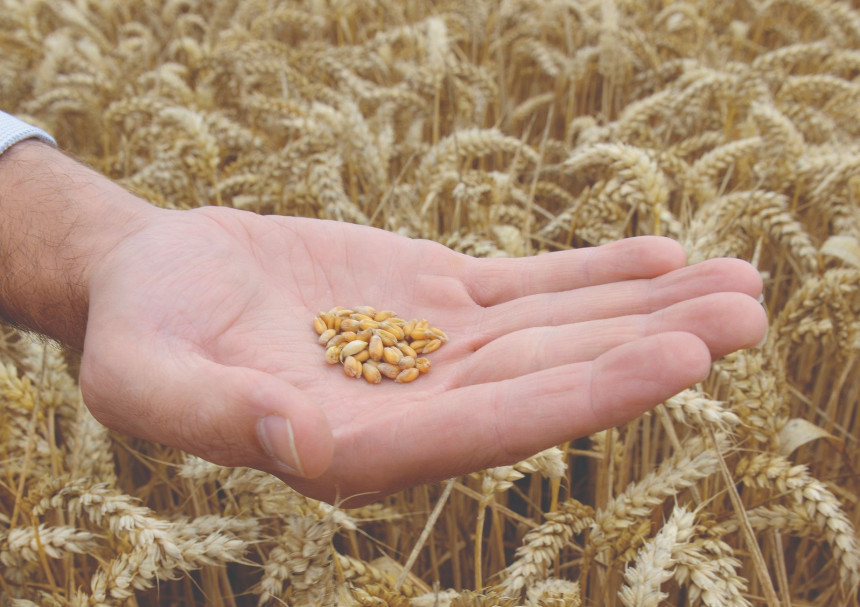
499, 128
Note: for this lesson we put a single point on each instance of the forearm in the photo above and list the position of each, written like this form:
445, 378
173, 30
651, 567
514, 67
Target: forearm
57, 219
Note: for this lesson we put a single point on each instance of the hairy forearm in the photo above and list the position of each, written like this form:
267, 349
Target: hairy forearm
58, 218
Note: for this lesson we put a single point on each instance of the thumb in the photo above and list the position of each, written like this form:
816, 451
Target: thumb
232, 416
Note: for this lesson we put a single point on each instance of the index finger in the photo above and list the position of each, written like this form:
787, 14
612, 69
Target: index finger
492, 281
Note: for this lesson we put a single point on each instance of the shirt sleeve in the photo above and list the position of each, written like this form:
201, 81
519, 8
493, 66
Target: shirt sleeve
13, 130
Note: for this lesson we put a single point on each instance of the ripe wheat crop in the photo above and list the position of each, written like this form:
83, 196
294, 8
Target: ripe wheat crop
498, 128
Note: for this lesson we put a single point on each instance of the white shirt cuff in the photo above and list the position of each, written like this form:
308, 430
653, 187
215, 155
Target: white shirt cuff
13, 130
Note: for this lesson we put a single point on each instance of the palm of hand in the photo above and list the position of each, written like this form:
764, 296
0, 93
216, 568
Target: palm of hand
202, 326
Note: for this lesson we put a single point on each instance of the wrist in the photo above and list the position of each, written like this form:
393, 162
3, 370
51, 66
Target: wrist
58, 220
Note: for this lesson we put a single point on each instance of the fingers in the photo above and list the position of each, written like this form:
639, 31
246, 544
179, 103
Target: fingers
723, 321
499, 423
232, 416
623, 298
495, 281
532, 412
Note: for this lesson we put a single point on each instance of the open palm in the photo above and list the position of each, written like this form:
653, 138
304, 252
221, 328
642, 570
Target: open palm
199, 336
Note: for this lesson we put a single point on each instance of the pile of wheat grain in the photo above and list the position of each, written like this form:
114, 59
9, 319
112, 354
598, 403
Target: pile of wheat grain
498, 128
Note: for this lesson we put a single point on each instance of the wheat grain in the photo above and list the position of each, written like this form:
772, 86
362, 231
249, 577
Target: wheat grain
655, 562
813, 499
708, 564
693, 463
542, 544
694, 406
375, 345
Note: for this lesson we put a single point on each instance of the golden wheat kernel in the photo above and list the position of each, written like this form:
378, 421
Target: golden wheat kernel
407, 362
327, 318
341, 311
336, 323
360, 317
422, 364
406, 376
418, 344
332, 354
375, 348
384, 315
406, 349
395, 331
336, 340
326, 335
410, 326
365, 335
353, 347
392, 355
337, 309
351, 367
349, 336
319, 325
366, 310
371, 373
349, 324
396, 321
432, 346
440, 334
388, 370
388, 338
419, 334
362, 356
368, 323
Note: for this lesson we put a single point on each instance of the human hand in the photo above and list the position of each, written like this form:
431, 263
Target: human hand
199, 327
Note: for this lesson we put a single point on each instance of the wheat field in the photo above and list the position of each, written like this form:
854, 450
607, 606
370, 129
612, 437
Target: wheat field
499, 128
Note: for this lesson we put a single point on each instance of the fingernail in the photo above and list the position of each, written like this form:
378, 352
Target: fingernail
763, 339
277, 438
767, 324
